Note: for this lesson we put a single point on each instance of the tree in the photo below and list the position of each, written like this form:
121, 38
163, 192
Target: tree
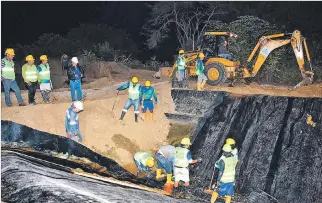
188, 20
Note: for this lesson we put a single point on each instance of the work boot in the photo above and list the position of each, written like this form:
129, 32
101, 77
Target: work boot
144, 116
198, 86
122, 115
202, 85
214, 197
159, 174
22, 104
169, 179
187, 192
136, 118
151, 116
228, 199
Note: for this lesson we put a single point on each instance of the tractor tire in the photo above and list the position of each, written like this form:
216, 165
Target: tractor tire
216, 74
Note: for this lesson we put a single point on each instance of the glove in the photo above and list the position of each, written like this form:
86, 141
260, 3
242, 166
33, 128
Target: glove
117, 92
199, 160
213, 186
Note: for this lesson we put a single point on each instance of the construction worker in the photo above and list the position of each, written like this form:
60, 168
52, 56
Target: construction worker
72, 122
8, 77
165, 160
64, 63
148, 94
31, 77
44, 78
144, 162
134, 97
223, 51
182, 159
232, 143
226, 177
181, 65
75, 74
202, 79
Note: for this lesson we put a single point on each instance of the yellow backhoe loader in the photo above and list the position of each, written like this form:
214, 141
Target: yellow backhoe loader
218, 69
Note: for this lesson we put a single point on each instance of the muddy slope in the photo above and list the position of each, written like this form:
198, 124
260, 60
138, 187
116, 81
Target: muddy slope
280, 155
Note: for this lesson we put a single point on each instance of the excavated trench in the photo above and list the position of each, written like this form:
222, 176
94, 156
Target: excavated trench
280, 158
280, 154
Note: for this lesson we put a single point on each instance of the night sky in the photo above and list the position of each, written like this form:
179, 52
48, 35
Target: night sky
24, 22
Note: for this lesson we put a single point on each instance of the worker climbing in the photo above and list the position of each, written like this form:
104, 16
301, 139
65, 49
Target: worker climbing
165, 160
181, 65
31, 77
148, 94
182, 159
200, 68
8, 77
44, 78
232, 143
144, 163
134, 97
226, 178
72, 125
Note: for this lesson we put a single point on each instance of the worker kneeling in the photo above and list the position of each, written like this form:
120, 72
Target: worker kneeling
148, 94
226, 177
182, 159
144, 163
165, 159
200, 71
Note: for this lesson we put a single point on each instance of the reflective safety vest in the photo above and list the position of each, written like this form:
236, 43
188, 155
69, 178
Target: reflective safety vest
134, 91
228, 175
199, 67
141, 157
181, 62
180, 157
44, 74
31, 73
8, 72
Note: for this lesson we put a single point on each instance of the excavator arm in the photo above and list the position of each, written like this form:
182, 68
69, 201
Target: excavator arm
266, 45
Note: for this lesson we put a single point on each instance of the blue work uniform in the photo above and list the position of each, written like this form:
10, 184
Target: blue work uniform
72, 123
148, 94
165, 158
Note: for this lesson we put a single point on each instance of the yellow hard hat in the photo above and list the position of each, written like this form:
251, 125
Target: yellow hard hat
201, 55
186, 141
30, 58
148, 83
43, 57
149, 162
181, 51
227, 148
10, 51
135, 80
230, 141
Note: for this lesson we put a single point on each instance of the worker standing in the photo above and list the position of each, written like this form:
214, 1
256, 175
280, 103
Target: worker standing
148, 94
181, 65
134, 97
165, 160
232, 143
64, 63
226, 177
144, 162
202, 79
75, 75
44, 78
182, 159
8, 77
30, 76
72, 122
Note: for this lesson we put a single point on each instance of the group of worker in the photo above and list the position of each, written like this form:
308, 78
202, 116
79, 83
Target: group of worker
175, 162
200, 68
139, 96
34, 75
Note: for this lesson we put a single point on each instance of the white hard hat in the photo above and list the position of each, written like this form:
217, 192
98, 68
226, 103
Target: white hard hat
78, 105
75, 59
